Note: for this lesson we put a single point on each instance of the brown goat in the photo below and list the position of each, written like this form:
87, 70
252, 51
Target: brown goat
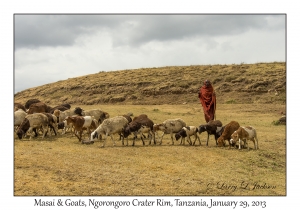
31, 101
37, 108
80, 123
226, 135
18, 106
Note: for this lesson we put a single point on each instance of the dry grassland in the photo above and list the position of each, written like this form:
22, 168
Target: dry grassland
60, 165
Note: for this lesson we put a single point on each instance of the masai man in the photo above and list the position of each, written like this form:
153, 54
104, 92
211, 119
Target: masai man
207, 98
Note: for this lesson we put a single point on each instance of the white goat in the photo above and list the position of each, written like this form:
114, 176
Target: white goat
169, 126
244, 134
108, 127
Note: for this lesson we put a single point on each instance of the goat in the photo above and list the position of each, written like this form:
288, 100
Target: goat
139, 125
108, 127
187, 132
36, 120
19, 117
18, 106
98, 114
37, 108
169, 126
79, 123
244, 134
31, 101
226, 135
212, 128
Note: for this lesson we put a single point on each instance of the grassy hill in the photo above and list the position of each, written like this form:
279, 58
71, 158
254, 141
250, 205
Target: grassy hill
243, 83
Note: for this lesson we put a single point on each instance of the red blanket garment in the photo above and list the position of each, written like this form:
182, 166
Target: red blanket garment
208, 100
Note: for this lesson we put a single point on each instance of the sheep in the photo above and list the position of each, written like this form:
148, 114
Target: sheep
187, 132
108, 127
97, 113
226, 135
19, 117
212, 128
31, 121
139, 125
169, 126
244, 134
79, 123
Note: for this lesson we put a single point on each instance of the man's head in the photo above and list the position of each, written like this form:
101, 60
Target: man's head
207, 83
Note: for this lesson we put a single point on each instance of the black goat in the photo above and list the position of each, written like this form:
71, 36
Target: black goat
213, 127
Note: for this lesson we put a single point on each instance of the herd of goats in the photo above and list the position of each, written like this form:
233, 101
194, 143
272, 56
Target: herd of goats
35, 116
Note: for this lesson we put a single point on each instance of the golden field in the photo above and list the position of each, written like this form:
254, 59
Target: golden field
61, 165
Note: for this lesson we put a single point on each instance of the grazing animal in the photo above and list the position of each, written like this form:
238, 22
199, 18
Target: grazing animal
282, 119
77, 111
98, 114
61, 125
109, 127
31, 101
244, 134
187, 132
52, 122
66, 105
18, 106
79, 123
61, 108
19, 117
37, 108
139, 125
226, 135
33, 121
169, 126
127, 116
212, 128
61, 116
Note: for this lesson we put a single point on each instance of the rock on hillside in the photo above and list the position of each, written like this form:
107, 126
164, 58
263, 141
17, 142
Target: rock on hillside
244, 83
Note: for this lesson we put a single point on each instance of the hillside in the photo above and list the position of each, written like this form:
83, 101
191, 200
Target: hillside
243, 83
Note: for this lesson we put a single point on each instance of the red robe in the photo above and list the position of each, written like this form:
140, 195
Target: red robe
207, 98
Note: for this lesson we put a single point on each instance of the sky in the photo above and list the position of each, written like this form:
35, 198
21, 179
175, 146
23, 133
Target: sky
53, 47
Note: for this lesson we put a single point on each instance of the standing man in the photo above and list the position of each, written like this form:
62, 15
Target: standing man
207, 98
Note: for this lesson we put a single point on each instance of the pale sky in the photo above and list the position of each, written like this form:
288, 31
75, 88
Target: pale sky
49, 48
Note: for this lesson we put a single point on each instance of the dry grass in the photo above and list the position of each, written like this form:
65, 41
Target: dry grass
62, 166
244, 84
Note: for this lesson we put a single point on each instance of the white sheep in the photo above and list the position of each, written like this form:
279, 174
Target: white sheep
108, 127
169, 126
